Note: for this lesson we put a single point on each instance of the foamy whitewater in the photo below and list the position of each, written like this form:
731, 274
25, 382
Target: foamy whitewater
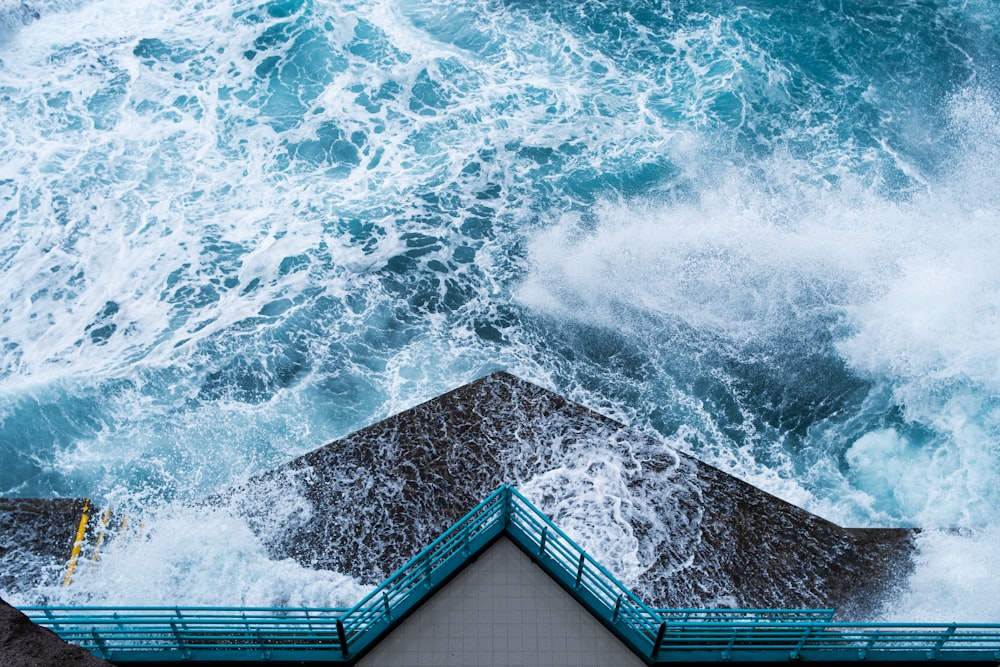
232, 231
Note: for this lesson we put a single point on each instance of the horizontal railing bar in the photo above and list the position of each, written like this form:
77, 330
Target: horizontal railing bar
744, 611
117, 620
173, 611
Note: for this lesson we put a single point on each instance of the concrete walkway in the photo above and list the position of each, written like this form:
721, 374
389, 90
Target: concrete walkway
501, 611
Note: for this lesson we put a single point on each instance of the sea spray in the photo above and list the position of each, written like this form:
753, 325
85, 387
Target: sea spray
192, 557
233, 231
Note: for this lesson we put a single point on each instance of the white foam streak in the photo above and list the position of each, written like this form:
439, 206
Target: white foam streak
599, 514
955, 579
732, 263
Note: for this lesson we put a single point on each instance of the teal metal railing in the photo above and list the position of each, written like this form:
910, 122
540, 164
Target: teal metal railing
223, 634
368, 620
659, 636
586, 579
713, 641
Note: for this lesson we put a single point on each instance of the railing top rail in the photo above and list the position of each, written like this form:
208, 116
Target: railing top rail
879, 630
875, 629
526, 506
173, 610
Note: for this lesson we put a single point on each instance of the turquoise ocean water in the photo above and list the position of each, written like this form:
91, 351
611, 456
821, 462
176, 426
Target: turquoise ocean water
767, 231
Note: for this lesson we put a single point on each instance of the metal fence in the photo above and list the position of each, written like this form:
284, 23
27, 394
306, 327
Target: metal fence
194, 633
659, 636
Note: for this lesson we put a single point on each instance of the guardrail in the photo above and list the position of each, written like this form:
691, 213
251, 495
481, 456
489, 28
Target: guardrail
659, 636
586, 579
368, 620
159, 634
828, 641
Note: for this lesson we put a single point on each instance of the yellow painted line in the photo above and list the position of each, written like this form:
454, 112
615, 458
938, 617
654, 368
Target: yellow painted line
105, 519
78, 544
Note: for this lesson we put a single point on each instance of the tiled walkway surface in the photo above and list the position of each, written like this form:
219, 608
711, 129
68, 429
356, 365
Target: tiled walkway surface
501, 611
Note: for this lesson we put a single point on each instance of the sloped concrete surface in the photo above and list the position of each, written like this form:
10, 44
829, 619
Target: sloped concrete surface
690, 535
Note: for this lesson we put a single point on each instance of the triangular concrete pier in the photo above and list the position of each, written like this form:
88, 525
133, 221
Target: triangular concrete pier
367, 503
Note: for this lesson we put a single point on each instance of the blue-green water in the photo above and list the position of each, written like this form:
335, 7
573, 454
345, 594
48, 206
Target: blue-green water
231, 231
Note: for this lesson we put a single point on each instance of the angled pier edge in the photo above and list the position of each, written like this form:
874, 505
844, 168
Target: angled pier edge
704, 538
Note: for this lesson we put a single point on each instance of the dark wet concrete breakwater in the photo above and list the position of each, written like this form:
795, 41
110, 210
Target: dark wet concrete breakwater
376, 497
36, 539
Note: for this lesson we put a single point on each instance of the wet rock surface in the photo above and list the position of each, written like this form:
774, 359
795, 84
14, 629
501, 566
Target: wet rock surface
24, 644
680, 532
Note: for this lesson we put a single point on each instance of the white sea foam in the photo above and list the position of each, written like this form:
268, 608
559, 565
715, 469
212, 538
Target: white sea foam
145, 159
954, 579
906, 287
599, 513
932, 334
195, 557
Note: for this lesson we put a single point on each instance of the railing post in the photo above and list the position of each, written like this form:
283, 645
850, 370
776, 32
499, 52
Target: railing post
427, 571
100, 644
180, 640
618, 606
579, 570
48, 614
863, 652
659, 639
388, 609
264, 653
506, 505
342, 638
726, 654
933, 654
541, 543
794, 655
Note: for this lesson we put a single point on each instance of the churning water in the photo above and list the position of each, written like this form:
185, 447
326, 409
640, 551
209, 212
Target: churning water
769, 231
